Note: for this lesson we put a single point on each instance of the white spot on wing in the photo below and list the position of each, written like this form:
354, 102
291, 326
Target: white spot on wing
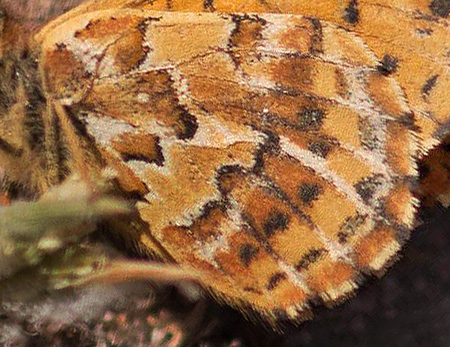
104, 129
143, 97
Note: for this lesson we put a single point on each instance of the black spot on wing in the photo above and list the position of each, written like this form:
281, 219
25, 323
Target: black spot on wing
351, 12
247, 253
428, 86
320, 148
310, 118
271, 144
209, 5
388, 65
367, 187
188, 126
309, 258
277, 221
309, 192
274, 280
440, 7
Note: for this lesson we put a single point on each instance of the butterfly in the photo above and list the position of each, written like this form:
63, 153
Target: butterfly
273, 146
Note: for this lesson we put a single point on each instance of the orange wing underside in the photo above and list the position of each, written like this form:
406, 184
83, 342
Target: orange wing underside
275, 153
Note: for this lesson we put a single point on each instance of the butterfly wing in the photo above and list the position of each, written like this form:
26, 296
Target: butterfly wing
269, 151
243, 135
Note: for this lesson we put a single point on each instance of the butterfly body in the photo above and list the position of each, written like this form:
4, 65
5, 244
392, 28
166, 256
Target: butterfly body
274, 152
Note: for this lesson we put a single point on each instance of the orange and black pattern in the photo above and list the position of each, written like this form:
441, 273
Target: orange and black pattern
272, 145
